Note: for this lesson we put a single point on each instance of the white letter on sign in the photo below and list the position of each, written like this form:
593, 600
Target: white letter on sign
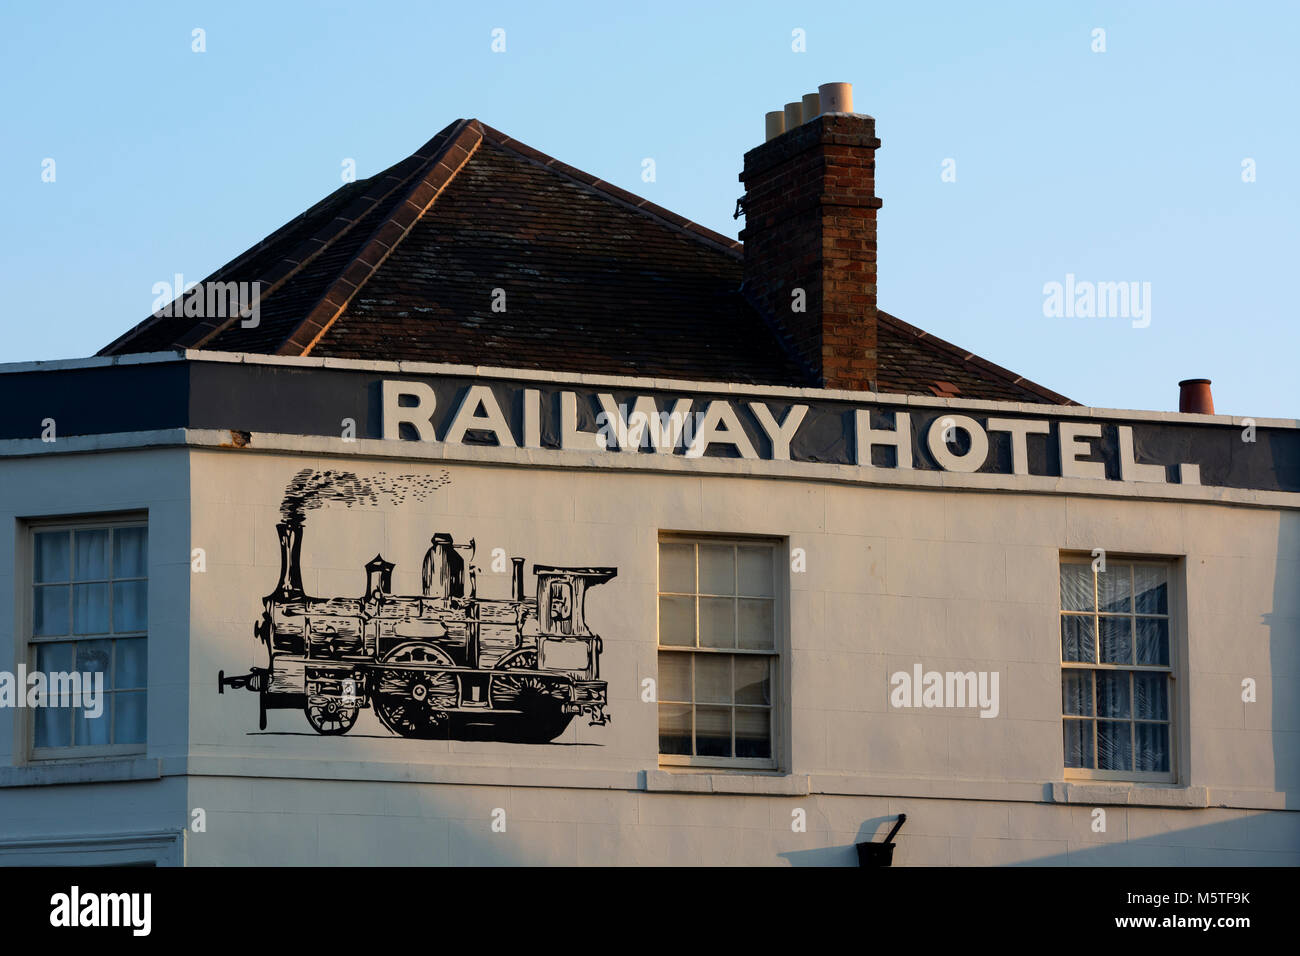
1129, 467
489, 419
418, 415
1019, 428
720, 426
1072, 448
781, 434
948, 459
900, 437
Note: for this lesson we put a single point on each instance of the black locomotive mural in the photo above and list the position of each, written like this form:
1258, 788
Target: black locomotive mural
443, 663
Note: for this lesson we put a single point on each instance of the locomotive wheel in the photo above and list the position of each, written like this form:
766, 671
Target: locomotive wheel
414, 702
330, 717
540, 702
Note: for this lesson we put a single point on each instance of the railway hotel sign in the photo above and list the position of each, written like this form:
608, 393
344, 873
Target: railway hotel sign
755, 426
608, 420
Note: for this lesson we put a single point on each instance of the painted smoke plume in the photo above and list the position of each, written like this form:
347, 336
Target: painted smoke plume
311, 489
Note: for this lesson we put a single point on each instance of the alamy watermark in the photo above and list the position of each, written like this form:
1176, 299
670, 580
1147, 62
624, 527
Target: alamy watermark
209, 300
945, 689
1098, 300
55, 689
644, 425
75, 909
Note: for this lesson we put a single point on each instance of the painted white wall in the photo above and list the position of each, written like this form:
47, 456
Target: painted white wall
955, 580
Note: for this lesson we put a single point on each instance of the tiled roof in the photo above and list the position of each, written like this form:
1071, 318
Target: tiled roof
479, 250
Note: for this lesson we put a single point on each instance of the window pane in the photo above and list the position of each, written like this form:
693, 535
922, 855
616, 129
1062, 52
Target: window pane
677, 568
713, 678
1153, 748
1078, 744
1151, 588
1153, 641
1114, 746
753, 684
1076, 693
95, 657
1114, 588
1112, 694
1076, 587
1151, 696
54, 658
1077, 642
92, 555
675, 729
129, 718
53, 561
93, 731
130, 552
50, 610
717, 622
713, 731
53, 727
1116, 640
677, 621
90, 609
757, 630
674, 676
717, 569
753, 732
130, 606
755, 571
131, 663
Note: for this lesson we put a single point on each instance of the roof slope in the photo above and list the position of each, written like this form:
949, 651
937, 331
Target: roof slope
479, 250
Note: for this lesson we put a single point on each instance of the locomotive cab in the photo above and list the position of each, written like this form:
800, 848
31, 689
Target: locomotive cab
564, 642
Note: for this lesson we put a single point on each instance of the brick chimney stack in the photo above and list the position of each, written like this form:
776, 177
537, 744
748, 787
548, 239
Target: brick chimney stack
810, 224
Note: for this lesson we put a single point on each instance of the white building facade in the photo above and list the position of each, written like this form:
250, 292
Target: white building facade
750, 625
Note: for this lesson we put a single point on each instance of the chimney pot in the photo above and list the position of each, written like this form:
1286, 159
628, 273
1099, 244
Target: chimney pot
812, 106
793, 114
1194, 396
836, 97
775, 122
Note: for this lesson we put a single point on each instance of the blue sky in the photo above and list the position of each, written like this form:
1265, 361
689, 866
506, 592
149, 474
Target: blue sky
1117, 166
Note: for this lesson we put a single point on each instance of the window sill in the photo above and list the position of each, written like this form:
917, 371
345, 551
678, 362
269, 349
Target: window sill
1115, 793
157, 848
687, 780
102, 770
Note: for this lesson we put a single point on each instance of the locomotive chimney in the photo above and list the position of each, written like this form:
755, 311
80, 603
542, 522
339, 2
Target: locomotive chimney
290, 533
517, 579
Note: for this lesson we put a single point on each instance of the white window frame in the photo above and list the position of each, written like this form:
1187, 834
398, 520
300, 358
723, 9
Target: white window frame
1176, 616
26, 645
779, 655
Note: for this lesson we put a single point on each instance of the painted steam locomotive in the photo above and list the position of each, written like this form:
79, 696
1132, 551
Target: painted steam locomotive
441, 664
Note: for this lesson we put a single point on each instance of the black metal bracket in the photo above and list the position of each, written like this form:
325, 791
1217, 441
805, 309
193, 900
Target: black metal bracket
880, 854
740, 207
